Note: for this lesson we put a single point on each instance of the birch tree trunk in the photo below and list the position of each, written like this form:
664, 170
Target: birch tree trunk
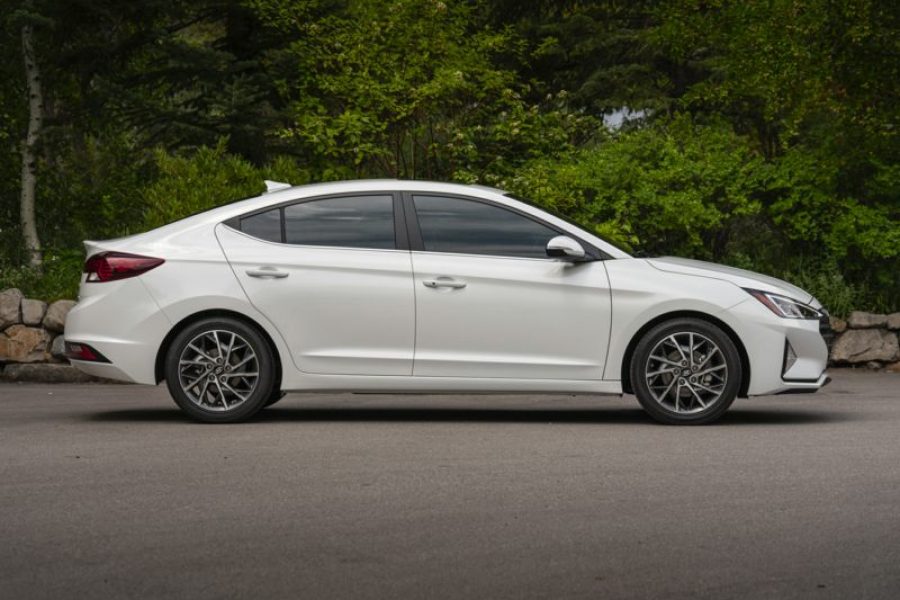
35, 121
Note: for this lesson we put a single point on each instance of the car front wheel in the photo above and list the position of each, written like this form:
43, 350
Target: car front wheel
220, 370
686, 372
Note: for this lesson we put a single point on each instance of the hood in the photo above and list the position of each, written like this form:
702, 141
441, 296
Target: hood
739, 277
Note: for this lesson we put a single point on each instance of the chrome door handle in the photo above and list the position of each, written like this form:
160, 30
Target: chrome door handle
444, 282
267, 272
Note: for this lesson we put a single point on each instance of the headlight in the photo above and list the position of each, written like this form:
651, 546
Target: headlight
784, 306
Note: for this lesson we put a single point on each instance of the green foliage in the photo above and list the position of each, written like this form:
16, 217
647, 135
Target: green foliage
190, 184
59, 280
674, 188
406, 88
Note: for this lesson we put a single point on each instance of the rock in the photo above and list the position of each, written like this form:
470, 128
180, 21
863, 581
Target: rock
893, 321
20, 343
864, 345
864, 320
838, 325
873, 365
33, 311
58, 347
45, 373
55, 319
10, 300
893, 367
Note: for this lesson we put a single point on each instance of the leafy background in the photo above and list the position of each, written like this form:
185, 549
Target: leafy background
759, 134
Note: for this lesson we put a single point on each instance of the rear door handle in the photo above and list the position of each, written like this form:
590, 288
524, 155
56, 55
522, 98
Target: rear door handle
263, 272
444, 282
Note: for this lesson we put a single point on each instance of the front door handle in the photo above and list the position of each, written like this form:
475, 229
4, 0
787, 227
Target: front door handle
267, 272
444, 282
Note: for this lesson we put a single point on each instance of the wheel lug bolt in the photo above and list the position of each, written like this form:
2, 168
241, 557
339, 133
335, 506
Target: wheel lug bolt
684, 363
694, 368
693, 380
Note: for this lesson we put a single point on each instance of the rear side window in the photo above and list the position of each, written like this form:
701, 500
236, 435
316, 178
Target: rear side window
348, 222
471, 227
353, 222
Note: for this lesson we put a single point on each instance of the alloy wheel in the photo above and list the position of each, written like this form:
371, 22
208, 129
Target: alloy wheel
218, 370
686, 372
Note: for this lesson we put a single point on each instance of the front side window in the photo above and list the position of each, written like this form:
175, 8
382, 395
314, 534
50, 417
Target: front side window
472, 227
349, 222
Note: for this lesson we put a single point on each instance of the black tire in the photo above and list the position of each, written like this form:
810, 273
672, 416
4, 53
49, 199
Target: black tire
662, 348
255, 392
274, 398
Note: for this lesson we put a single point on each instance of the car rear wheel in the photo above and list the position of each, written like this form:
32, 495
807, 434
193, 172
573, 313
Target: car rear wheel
686, 372
220, 370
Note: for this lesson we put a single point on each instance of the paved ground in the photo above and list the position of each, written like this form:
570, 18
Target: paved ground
106, 491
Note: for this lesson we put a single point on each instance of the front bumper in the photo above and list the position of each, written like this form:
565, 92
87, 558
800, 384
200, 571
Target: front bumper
765, 335
811, 387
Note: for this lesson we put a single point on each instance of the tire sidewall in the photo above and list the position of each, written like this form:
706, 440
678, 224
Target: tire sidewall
264, 387
642, 352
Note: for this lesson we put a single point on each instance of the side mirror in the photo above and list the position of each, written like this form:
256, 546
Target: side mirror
564, 247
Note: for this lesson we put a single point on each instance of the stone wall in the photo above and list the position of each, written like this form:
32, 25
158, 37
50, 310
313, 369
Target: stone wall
867, 339
31, 341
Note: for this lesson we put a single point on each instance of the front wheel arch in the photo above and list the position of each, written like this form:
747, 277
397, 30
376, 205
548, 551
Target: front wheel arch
159, 368
629, 350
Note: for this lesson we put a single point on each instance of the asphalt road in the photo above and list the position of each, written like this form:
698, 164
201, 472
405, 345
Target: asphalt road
106, 491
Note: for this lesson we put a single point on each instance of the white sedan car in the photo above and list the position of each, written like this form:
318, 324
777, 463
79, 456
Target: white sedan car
410, 286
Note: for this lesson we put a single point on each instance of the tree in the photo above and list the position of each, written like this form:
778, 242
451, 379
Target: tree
27, 19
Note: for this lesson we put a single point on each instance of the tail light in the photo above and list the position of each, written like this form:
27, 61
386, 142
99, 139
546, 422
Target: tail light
79, 351
110, 266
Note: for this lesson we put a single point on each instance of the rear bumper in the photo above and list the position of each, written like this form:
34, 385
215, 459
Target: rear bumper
121, 320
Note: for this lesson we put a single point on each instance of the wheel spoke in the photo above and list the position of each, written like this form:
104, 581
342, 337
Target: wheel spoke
659, 372
696, 395
712, 352
201, 352
666, 391
709, 370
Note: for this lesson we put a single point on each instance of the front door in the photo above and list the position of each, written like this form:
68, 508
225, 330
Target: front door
490, 303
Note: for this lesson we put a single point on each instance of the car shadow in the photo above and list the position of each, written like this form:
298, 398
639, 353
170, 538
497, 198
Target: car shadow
735, 417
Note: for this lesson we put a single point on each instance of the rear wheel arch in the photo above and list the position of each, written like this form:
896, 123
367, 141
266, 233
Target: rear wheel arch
629, 350
159, 368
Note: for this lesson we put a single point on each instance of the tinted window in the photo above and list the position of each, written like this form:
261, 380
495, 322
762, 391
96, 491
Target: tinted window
466, 226
265, 226
356, 222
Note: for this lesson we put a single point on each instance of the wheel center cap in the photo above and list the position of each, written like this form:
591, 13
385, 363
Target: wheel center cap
686, 373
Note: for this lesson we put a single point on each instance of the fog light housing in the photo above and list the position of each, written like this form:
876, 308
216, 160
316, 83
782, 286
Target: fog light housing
790, 357
79, 351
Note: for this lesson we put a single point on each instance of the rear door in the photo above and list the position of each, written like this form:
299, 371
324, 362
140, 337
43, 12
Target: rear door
334, 276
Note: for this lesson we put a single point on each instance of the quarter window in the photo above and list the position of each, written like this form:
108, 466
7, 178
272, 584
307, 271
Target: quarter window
472, 227
264, 225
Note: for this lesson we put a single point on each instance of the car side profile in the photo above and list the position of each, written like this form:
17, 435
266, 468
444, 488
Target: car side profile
411, 286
